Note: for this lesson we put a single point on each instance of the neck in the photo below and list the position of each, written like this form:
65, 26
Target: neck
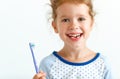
76, 53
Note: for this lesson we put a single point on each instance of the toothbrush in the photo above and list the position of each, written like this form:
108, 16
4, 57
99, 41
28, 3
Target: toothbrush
34, 60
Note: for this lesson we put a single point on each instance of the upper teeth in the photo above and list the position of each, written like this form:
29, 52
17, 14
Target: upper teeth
74, 35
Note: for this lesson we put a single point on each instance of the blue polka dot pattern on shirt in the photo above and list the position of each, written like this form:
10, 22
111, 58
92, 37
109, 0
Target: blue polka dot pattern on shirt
61, 70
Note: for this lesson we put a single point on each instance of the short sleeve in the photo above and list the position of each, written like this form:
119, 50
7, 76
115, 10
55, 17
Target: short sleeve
108, 71
46, 64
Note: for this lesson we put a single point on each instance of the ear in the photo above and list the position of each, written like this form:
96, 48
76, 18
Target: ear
54, 26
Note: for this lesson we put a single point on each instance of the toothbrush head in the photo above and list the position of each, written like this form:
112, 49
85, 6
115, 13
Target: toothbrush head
32, 44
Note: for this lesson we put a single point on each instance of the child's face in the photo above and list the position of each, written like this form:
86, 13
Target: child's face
73, 23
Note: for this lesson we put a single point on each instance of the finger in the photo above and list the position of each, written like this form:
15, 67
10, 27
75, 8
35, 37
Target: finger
35, 77
43, 77
43, 73
38, 76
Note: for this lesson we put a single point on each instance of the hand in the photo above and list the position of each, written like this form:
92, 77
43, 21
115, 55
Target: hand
40, 75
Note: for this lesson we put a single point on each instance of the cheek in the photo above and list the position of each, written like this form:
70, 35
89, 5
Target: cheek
87, 30
88, 27
61, 28
62, 32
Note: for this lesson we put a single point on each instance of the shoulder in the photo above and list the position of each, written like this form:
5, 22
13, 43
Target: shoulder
107, 66
48, 59
47, 62
105, 59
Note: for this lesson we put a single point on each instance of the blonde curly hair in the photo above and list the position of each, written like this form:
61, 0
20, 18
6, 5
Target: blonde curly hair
56, 3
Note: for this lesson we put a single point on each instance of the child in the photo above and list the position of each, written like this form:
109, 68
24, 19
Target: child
73, 20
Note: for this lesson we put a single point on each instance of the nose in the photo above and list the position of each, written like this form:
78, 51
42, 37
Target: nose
74, 25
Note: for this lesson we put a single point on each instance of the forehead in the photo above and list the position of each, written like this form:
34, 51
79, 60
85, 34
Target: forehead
67, 9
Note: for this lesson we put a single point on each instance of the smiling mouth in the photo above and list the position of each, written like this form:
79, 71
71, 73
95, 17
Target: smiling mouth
73, 35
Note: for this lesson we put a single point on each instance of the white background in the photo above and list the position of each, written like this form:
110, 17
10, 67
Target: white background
24, 21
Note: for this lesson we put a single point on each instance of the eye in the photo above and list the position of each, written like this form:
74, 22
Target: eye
81, 19
66, 20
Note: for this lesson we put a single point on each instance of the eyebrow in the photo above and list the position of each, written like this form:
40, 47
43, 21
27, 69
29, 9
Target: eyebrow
63, 16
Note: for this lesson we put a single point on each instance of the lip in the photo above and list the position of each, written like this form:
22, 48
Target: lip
74, 36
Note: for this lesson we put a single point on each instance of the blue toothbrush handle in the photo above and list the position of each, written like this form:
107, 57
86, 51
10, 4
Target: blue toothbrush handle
34, 60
